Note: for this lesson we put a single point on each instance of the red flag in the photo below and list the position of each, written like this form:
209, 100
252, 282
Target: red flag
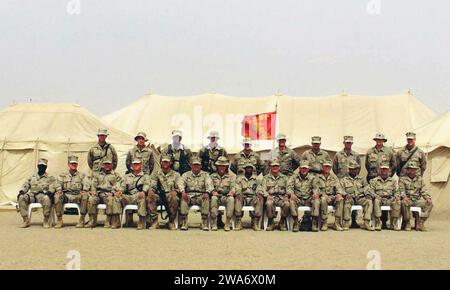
260, 126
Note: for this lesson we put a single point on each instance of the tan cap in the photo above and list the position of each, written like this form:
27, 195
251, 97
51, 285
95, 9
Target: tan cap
247, 140
412, 165
348, 139
353, 165
222, 161
316, 139
107, 161
384, 165
196, 160
141, 134
249, 164
72, 159
275, 162
136, 161
304, 164
327, 163
102, 131
166, 158
281, 136
410, 135
380, 136
213, 134
43, 161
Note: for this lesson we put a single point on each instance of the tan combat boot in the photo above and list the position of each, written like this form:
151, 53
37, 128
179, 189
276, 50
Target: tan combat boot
214, 224
367, 226
315, 224
377, 224
296, 225
227, 225
395, 224
205, 226
255, 224
183, 223
408, 226
92, 221
270, 225
115, 221
80, 223
337, 226
46, 224
108, 222
154, 224
282, 224
59, 223
422, 225
324, 227
172, 226
347, 225
238, 224
25, 223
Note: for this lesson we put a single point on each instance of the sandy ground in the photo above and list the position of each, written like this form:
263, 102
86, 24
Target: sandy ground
36, 248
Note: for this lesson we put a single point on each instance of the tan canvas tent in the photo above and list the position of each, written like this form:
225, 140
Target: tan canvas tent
434, 138
299, 117
52, 131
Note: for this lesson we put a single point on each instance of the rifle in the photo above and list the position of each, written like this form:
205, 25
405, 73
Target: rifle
164, 202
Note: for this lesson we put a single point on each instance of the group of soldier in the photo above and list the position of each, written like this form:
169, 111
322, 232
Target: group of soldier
209, 180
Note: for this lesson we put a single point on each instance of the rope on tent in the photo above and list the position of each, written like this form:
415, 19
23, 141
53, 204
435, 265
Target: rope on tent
36, 152
3, 161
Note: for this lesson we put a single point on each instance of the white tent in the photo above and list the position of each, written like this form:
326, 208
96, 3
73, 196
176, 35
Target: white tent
434, 138
300, 118
53, 131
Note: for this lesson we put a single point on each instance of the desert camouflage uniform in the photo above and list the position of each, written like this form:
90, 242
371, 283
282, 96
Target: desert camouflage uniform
97, 154
180, 158
246, 195
341, 161
209, 157
130, 186
355, 187
223, 185
144, 154
328, 188
316, 160
375, 157
242, 159
419, 158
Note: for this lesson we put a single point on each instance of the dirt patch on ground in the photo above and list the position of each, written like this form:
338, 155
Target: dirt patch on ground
36, 248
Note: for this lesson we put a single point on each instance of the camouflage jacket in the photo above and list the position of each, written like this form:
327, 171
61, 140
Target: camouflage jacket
241, 159
224, 184
418, 157
414, 189
196, 185
166, 182
302, 187
383, 188
145, 155
274, 185
327, 185
341, 161
134, 183
289, 160
354, 186
246, 186
209, 156
316, 160
39, 184
97, 154
103, 182
180, 158
375, 158
73, 183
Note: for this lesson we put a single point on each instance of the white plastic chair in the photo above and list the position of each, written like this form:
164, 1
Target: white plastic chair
194, 208
130, 207
73, 206
266, 219
101, 206
36, 205
248, 209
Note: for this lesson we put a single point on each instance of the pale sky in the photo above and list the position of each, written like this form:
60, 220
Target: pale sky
113, 52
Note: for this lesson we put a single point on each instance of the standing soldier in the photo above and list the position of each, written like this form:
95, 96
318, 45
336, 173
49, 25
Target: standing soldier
133, 190
101, 151
274, 188
211, 153
410, 153
142, 152
301, 194
105, 185
166, 184
72, 187
378, 155
343, 158
179, 153
197, 189
288, 159
355, 186
316, 156
414, 193
328, 188
38, 188
384, 190
223, 194
246, 195
247, 155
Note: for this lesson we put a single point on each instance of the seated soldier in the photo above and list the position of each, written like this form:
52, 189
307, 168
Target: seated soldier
133, 190
328, 188
384, 191
223, 194
414, 193
38, 188
197, 189
274, 188
72, 187
246, 195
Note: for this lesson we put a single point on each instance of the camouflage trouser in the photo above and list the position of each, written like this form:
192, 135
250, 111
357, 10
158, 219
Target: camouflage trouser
406, 208
195, 200
227, 201
133, 199
153, 201
254, 201
314, 204
367, 205
24, 201
279, 201
347, 207
326, 200
93, 201
394, 204
64, 198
